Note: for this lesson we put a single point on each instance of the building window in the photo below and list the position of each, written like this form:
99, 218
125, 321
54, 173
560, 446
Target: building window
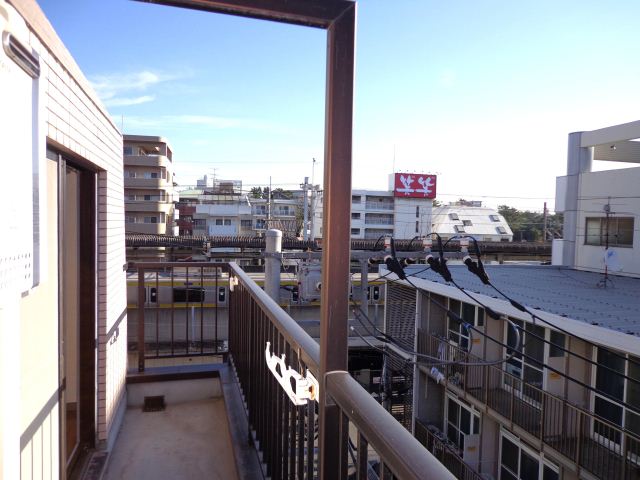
556, 348
127, 150
617, 387
130, 173
417, 211
245, 223
525, 370
182, 295
467, 223
616, 232
199, 222
459, 228
147, 197
355, 216
130, 219
458, 334
460, 422
356, 199
150, 219
218, 221
355, 231
417, 226
454, 216
494, 218
227, 221
501, 230
260, 223
518, 463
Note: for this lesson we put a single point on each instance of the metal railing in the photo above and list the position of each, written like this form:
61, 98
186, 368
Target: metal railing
437, 444
379, 205
178, 310
592, 442
372, 444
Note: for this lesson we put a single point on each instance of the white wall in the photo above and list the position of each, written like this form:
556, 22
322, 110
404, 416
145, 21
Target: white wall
74, 122
620, 189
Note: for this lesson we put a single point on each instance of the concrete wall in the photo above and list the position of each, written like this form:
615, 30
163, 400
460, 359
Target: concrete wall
595, 193
76, 124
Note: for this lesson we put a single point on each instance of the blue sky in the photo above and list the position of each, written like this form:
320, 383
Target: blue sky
481, 93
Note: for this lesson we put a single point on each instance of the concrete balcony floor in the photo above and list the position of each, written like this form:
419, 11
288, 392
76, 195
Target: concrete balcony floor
185, 441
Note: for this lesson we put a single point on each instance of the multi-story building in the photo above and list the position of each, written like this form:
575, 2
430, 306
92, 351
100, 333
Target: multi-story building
149, 186
219, 207
401, 211
63, 307
550, 389
471, 218
601, 208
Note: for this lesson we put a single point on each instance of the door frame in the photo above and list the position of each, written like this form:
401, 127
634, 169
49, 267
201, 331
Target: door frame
87, 305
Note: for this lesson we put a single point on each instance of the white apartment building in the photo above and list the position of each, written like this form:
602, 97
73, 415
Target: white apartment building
63, 308
601, 208
375, 213
562, 402
471, 218
149, 185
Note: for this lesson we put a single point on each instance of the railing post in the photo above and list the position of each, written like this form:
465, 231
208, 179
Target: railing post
578, 437
272, 262
141, 300
334, 307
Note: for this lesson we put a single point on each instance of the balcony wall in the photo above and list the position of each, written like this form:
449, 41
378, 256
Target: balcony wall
148, 206
147, 161
153, 183
147, 228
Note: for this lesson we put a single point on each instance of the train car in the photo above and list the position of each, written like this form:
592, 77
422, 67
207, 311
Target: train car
187, 309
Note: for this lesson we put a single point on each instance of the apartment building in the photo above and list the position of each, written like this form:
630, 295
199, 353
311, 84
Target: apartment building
551, 388
219, 207
471, 218
601, 208
149, 183
63, 315
404, 210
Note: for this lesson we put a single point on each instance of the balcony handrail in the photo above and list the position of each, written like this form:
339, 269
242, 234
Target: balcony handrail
307, 348
543, 393
389, 438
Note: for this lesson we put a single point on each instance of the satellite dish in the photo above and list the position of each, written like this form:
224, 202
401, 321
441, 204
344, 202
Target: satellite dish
612, 261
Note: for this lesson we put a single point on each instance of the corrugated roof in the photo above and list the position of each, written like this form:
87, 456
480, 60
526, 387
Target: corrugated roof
566, 292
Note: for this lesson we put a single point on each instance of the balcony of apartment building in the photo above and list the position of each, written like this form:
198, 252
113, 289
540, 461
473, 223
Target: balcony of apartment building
148, 202
376, 233
226, 209
511, 393
383, 203
146, 178
151, 223
378, 219
223, 363
148, 160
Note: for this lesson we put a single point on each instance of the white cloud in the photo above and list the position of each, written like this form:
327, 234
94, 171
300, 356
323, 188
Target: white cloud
124, 89
126, 101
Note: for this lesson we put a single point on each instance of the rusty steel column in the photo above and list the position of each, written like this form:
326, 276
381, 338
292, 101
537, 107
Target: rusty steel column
336, 226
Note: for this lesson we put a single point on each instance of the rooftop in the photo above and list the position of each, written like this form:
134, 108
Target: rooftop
559, 290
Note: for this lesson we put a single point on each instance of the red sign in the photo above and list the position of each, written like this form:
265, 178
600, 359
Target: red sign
414, 185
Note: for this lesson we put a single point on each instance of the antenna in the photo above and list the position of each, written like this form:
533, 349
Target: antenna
609, 257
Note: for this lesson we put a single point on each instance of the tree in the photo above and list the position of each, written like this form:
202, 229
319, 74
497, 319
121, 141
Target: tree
529, 226
255, 192
281, 194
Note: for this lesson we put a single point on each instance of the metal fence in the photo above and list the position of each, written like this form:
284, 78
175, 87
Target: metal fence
372, 444
437, 444
594, 443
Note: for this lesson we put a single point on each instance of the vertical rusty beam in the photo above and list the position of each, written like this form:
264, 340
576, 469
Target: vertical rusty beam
141, 319
336, 229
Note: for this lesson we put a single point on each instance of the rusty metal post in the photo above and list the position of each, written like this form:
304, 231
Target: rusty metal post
141, 299
334, 305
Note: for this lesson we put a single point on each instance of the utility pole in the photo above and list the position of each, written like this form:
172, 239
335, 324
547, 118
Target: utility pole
269, 205
305, 207
544, 230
